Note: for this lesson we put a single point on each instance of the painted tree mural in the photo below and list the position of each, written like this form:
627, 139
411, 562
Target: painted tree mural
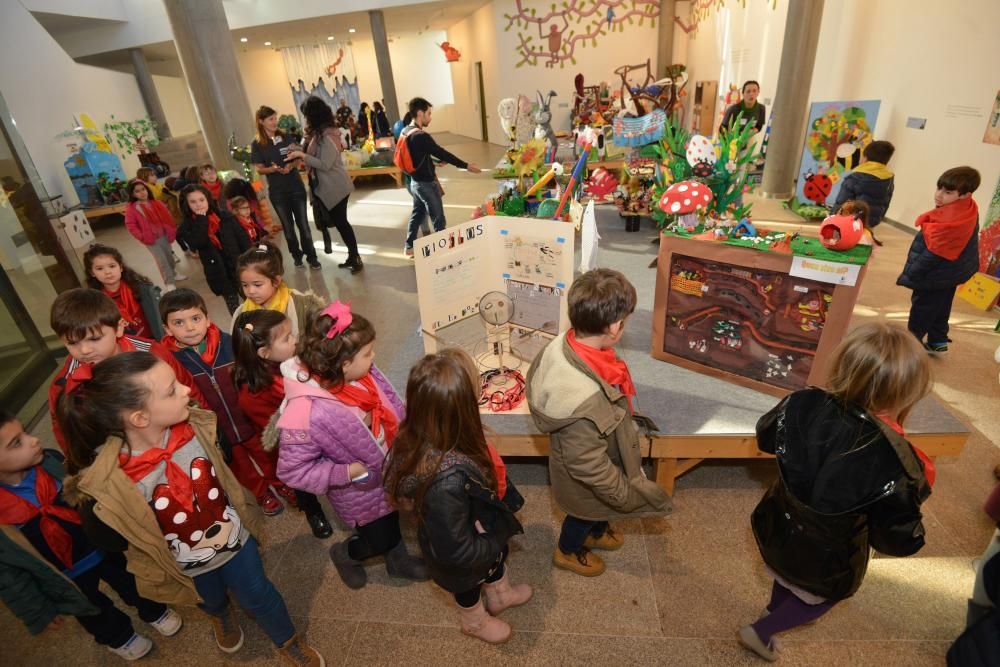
834, 129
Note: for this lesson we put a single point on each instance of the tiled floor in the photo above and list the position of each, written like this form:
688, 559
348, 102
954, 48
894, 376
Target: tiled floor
681, 586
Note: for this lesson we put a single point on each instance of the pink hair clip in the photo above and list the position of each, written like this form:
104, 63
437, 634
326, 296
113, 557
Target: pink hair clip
341, 315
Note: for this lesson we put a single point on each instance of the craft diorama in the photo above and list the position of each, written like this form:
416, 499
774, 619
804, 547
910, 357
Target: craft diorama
93, 167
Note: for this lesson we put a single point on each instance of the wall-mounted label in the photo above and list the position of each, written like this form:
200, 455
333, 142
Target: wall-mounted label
916, 123
825, 271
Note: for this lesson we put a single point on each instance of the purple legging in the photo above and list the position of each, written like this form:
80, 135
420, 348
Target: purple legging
787, 611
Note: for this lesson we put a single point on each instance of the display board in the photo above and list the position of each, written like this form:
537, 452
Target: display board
836, 135
521, 269
738, 314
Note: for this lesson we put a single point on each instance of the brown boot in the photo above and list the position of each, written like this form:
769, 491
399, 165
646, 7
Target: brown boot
297, 653
228, 633
611, 540
476, 622
583, 563
501, 595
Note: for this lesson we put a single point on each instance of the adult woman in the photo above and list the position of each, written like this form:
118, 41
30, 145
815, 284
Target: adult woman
380, 120
328, 179
752, 111
269, 152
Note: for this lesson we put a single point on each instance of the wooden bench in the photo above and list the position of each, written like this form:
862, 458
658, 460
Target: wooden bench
98, 211
391, 170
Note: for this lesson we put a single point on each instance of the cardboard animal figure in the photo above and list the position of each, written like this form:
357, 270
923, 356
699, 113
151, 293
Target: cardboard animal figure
543, 119
507, 111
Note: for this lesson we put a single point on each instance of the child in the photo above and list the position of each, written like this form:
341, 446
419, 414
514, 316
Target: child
210, 181
133, 293
90, 326
262, 341
48, 568
148, 176
217, 238
238, 187
848, 479
441, 463
339, 422
944, 254
861, 212
240, 207
261, 273
207, 353
871, 182
582, 395
150, 480
150, 222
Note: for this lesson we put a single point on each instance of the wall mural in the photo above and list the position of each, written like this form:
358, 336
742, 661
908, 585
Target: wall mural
702, 9
553, 38
325, 70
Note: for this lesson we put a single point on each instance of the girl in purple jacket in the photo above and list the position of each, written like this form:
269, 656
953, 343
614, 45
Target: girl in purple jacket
339, 421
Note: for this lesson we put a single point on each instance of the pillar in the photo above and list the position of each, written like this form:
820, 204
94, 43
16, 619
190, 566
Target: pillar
791, 97
205, 48
665, 38
148, 91
385, 78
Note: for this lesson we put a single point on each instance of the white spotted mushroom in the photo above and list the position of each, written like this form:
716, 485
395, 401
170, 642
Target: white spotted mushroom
684, 200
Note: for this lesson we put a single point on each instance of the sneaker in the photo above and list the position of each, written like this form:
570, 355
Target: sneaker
169, 624
583, 563
179, 277
228, 633
315, 265
936, 348
749, 639
611, 540
298, 263
270, 504
136, 647
297, 653
408, 252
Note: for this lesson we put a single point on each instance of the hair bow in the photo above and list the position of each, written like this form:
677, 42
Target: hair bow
81, 375
341, 315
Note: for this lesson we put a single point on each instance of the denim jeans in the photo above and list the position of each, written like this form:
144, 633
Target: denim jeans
244, 575
291, 210
426, 201
575, 532
112, 627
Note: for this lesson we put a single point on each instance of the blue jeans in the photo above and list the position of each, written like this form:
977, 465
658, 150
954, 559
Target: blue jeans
575, 532
426, 201
244, 576
291, 210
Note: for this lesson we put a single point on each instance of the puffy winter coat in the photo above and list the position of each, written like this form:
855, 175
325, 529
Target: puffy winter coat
151, 224
872, 183
219, 264
458, 556
595, 460
846, 483
319, 439
926, 271
979, 645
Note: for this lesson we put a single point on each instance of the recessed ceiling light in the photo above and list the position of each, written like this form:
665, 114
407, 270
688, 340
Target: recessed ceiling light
267, 43
352, 30
243, 39
330, 38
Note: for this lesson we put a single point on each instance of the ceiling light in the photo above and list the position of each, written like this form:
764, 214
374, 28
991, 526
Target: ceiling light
330, 38
243, 39
351, 30
267, 43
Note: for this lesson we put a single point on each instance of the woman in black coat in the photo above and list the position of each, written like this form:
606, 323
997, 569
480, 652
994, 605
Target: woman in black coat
217, 237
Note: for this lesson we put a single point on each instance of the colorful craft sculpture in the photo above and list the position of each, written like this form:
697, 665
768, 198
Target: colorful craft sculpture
451, 54
556, 170
701, 156
684, 200
600, 185
841, 232
573, 180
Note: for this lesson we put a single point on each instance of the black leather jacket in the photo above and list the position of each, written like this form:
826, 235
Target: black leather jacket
847, 483
458, 556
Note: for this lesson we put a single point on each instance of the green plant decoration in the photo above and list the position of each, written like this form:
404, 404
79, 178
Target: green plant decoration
289, 124
132, 136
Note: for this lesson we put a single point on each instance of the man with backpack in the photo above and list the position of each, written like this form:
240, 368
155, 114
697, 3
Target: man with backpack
415, 154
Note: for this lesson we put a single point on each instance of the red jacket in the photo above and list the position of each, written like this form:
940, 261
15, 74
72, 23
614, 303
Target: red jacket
261, 405
147, 228
141, 344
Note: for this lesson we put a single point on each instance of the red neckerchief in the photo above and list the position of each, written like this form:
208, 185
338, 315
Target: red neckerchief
930, 471
606, 364
214, 188
367, 398
129, 307
212, 338
213, 229
79, 376
137, 467
250, 227
947, 229
499, 469
16, 510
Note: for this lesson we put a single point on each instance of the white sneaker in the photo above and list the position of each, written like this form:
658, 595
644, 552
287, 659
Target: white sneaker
169, 287
168, 624
179, 277
134, 648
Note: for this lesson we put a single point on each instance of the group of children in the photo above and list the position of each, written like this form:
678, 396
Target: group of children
171, 449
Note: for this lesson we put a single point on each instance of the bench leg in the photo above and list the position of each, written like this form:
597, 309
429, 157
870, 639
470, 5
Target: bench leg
665, 471
399, 180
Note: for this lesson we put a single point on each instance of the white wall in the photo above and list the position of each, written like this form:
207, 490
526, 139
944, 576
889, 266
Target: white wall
476, 38
44, 88
264, 78
177, 106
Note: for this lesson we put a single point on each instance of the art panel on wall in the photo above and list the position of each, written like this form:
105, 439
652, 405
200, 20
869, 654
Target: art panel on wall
310, 66
992, 134
836, 135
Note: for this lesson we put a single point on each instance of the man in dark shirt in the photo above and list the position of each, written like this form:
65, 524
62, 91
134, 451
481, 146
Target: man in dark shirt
424, 186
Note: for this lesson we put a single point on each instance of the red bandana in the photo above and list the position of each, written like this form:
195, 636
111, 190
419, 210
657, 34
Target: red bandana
250, 227
947, 229
214, 188
606, 364
137, 467
212, 338
930, 471
367, 398
16, 510
81, 375
499, 469
213, 230
130, 309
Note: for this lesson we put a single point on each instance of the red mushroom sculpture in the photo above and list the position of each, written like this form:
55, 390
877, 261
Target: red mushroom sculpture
684, 200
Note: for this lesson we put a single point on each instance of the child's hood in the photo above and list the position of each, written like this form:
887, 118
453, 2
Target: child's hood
876, 169
298, 384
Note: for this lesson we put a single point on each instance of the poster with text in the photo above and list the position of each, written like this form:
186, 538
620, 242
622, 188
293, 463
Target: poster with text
992, 134
836, 135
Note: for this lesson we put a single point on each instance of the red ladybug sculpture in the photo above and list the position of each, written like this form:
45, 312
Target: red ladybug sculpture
817, 188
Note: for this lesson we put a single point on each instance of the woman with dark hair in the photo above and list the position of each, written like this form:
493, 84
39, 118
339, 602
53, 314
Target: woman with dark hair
753, 112
381, 121
268, 153
328, 180
362, 124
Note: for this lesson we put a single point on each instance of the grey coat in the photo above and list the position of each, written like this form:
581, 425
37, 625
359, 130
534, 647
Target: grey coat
332, 183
